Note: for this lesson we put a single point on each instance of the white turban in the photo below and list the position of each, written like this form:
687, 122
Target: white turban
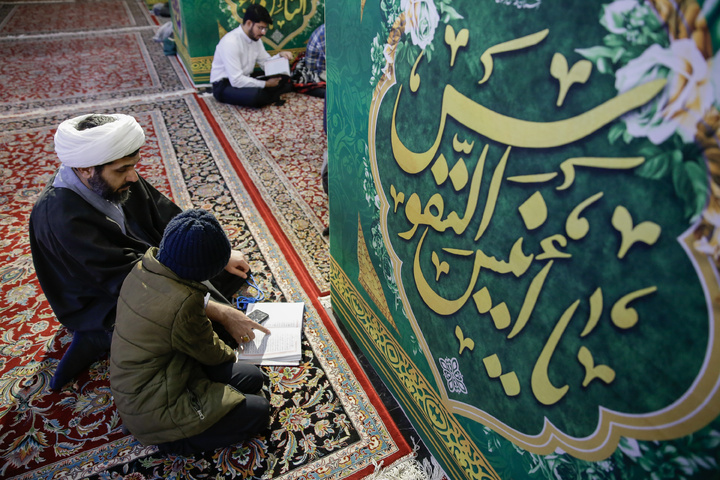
98, 145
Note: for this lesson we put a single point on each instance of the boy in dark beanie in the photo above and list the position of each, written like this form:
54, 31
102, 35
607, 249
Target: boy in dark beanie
176, 384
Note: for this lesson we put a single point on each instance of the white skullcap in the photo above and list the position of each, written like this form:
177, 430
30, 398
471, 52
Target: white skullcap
98, 145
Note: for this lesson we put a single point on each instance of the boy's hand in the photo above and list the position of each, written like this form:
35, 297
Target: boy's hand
234, 321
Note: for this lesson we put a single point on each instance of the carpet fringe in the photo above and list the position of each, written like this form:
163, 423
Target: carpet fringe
408, 468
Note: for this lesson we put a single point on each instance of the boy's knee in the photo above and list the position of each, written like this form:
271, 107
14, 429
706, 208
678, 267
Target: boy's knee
256, 382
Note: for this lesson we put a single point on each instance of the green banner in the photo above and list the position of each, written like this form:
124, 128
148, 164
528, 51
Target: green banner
524, 210
293, 20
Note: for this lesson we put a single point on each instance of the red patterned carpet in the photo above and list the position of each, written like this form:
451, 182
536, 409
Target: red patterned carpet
326, 416
55, 54
293, 135
327, 420
68, 17
41, 428
23, 18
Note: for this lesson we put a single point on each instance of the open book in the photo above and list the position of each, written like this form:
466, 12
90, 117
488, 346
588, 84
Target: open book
276, 66
284, 345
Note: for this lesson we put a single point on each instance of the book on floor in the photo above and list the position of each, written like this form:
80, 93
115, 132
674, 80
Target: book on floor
284, 345
277, 66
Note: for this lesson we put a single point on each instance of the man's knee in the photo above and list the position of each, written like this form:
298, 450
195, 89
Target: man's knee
244, 97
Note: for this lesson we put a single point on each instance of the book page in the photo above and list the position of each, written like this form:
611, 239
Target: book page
283, 346
279, 343
277, 66
282, 315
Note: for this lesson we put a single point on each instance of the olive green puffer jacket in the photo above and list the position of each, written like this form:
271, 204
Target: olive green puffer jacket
162, 337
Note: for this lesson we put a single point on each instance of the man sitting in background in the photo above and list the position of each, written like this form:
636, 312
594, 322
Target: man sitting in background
315, 52
309, 71
92, 223
235, 57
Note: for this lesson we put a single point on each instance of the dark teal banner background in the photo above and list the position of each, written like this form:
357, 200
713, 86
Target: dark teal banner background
523, 195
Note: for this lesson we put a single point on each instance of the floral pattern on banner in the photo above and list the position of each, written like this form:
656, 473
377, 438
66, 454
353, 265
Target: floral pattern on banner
418, 20
637, 50
680, 129
77, 433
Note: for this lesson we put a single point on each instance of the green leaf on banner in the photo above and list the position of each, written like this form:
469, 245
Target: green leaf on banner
690, 184
448, 13
595, 53
616, 131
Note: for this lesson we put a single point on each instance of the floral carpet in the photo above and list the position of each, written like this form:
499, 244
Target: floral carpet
54, 59
34, 18
325, 418
60, 61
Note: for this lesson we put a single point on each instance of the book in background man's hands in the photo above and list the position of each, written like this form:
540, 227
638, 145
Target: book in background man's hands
284, 345
277, 66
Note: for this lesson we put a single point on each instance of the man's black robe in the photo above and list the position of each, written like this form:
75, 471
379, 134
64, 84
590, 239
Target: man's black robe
82, 257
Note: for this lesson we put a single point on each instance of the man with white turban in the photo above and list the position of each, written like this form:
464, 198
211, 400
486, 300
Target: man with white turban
92, 223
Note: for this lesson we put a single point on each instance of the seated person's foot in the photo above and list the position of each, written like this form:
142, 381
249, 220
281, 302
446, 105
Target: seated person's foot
326, 231
85, 348
59, 380
279, 103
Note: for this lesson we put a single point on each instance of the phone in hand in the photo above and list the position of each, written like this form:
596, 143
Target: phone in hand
258, 316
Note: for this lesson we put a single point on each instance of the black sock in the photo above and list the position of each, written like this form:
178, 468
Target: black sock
85, 348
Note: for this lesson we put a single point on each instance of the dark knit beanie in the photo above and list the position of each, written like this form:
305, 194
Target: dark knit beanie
194, 246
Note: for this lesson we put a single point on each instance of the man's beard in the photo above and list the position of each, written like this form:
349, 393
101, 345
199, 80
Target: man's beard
101, 187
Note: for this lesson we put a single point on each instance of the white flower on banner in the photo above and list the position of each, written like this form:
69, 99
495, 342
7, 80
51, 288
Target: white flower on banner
453, 377
686, 97
620, 17
630, 447
520, 3
389, 55
422, 20
715, 76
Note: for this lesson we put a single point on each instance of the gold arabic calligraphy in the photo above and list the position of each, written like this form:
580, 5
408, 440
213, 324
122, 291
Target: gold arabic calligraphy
513, 132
